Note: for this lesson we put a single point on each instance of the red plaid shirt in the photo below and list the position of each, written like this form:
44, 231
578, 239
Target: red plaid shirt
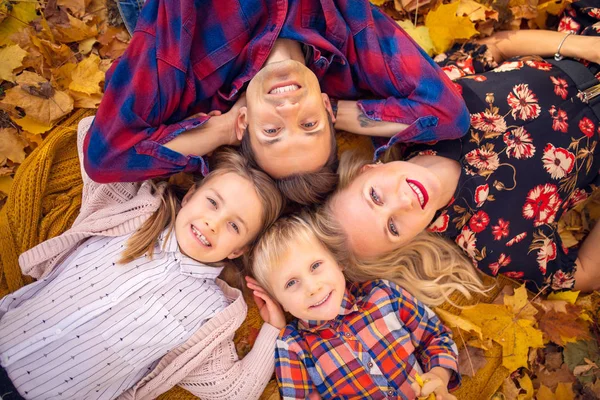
190, 56
372, 350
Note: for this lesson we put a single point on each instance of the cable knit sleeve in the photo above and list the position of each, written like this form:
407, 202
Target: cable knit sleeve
224, 376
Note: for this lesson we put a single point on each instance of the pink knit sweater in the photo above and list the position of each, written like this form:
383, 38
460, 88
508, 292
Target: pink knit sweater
207, 364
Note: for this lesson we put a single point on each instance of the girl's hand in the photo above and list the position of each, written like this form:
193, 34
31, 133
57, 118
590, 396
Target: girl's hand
435, 385
269, 309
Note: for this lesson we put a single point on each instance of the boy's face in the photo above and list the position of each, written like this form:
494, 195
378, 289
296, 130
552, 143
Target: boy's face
218, 219
309, 283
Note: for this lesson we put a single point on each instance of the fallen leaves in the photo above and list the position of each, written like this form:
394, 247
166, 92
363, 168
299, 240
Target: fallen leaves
445, 26
12, 57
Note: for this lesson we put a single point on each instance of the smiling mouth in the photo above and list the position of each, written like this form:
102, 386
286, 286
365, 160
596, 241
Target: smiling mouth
420, 191
284, 88
201, 237
322, 301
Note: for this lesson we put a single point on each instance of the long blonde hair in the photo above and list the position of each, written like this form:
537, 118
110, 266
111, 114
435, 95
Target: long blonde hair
429, 266
226, 161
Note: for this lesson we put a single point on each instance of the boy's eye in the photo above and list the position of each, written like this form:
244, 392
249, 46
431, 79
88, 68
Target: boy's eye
290, 283
315, 265
235, 227
375, 197
211, 201
309, 124
392, 228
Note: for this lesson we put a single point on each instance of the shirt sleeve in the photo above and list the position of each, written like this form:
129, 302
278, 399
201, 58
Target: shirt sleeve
142, 94
432, 339
416, 91
292, 376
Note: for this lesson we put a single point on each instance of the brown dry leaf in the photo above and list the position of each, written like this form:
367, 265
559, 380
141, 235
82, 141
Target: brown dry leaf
6, 171
11, 57
82, 100
445, 26
34, 139
5, 184
113, 42
20, 15
564, 327
564, 391
77, 7
552, 378
62, 76
474, 10
54, 55
12, 145
45, 110
75, 31
510, 389
471, 360
544, 393
87, 77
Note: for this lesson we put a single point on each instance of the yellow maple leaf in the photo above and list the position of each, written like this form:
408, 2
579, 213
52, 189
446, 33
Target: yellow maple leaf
420, 34
378, 2
564, 391
83, 100
568, 296
474, 10
77, 7
75, 31
11, 145
31, 125
86, 77
527, 386
519, 304
11, 57
445, 26
456, 321
39, 100
62, 76
5, 184
86, 45
21, 13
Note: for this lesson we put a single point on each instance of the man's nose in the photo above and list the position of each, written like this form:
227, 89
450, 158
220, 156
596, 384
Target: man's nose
287, 108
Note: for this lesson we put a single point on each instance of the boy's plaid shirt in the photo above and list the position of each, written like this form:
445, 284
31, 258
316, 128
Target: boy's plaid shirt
190, 56
372, 350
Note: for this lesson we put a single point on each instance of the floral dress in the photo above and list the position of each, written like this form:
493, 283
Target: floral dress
531, 154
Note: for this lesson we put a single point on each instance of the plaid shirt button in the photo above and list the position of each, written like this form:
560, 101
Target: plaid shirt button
370, 364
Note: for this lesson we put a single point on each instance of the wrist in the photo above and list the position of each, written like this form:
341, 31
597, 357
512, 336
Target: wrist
443, 373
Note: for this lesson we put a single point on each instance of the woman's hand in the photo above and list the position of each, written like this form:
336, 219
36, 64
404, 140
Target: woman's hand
435, 385
269, 309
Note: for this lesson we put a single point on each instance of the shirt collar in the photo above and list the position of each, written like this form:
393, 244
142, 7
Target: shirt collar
187, 266
349, 304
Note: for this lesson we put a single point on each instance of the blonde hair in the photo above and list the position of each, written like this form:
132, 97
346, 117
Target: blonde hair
226, 161
429, 266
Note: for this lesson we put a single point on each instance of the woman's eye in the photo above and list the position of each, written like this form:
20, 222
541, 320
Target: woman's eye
271, 131
235, 227
375, 197
211, 201
315, 265
392, 228
309, 124
290, 283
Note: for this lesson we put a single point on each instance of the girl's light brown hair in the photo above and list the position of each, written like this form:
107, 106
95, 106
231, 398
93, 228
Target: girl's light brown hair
430, 266
226, 161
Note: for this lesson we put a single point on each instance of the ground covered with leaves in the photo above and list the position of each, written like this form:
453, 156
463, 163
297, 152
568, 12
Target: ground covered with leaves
53, 58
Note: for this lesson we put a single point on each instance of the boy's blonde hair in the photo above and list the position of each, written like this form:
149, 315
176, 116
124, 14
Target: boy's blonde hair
226, 161
430, 266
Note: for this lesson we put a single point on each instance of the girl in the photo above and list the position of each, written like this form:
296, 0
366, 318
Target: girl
531, 154
360, 340
126, 304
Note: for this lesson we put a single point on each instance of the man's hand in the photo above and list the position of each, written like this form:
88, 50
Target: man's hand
435, 385
269, 309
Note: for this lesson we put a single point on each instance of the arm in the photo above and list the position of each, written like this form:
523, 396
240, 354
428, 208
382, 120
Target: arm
544, 43
292, 376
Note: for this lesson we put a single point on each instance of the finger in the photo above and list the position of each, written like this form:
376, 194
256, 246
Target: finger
214, 113
416, 388
260, 302
430, 386
251, 280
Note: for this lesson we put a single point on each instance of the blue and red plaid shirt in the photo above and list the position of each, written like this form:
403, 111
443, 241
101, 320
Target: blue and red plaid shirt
379, 340
196, 56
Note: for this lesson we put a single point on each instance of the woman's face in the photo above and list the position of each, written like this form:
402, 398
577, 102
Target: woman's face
386, 206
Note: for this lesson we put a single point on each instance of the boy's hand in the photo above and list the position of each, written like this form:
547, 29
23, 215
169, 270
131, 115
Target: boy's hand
435, 385
269, 309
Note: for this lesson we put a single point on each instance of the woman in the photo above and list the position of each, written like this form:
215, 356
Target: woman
531, 154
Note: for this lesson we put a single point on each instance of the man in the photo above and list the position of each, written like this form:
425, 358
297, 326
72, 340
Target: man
189, 57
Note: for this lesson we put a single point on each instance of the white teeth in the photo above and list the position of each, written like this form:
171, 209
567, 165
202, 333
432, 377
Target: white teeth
282, 89
200, 236
322, 301
416, 189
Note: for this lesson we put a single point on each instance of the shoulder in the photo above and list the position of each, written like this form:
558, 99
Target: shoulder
381, 289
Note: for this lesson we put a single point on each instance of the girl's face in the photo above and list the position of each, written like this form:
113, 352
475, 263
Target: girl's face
309, 283
218, 219
386, 206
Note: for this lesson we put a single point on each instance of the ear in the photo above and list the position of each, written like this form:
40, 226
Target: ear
327, 105
237, 253
241, 123
367, 167
188, 195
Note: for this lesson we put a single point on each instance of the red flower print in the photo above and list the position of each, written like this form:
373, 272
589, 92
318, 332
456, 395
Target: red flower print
541, 65
559, 119
501, 230
479, 78
514, 274
427, 152
568, 24
577, 197
518, 142
467, 241
453, 72
488, 122
503, 261
562, 280
546, 253
560, 87
440, 224
466, 65
483, 159
524, 102
481, 194
509, 66
594, 12
516, 239
587, 126
541, 204
479, 221
558, 162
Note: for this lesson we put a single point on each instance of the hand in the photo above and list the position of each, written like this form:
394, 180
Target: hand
435, 385
584, 47
269, 310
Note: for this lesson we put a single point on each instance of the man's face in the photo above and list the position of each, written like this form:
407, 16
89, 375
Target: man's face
287, 119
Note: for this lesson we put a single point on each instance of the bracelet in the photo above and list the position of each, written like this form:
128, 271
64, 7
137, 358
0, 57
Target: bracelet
557, 55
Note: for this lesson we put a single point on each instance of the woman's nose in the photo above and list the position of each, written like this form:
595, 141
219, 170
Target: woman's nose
403, 201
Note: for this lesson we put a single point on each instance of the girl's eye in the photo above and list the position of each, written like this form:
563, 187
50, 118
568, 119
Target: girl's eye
290, 283
309, 124
392, 228
235, 227
271, 131
375, 197
315, 265
211, 201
